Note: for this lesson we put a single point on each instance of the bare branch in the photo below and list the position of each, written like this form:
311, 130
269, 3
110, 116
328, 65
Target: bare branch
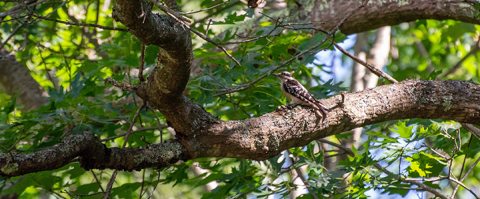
471, 128
11, 35
19, 137
464, 186
235, 2
81, 24
475, 49
142, 60
367, 65
133, 132
98, 182
123, 86
171, 12
463, 178
160, 127
112, 179
193, 12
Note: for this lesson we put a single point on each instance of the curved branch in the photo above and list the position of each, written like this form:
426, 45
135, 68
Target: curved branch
93, 155
167, 81
378, 13
265, 136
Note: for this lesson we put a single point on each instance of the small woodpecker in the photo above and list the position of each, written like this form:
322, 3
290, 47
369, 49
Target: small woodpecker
293, 90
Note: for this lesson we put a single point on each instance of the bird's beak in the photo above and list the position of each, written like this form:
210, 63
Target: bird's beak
276, 74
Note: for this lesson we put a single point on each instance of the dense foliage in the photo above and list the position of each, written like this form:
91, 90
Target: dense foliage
71, 62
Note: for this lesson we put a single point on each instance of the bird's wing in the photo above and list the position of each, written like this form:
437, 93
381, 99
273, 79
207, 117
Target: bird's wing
297, 90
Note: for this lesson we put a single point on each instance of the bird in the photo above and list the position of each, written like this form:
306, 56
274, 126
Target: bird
254, 3
293, 90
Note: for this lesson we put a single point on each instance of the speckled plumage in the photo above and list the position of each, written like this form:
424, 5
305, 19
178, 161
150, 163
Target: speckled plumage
298, 94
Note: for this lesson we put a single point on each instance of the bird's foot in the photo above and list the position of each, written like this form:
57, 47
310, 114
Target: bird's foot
319, 117
291, 106
282, 107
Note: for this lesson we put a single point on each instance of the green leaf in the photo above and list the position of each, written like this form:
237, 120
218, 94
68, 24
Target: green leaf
127, 190
209, 178
77, 86
20, 186
433, 75
11, 106
402, 130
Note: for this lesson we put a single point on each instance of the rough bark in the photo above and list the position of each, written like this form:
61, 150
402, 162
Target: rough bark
168, 80
356, 84
378, 13
266, 136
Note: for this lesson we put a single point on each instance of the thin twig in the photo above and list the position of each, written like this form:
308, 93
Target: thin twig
464, 177
131, 124
347, 150
153, 191
98, 182
373, 69
160, 127
459, 63
437, 153
464, 186
112, 179
142, 60
123, 86
46, 70
432, 179
193, 12
208, 27
17, 139
96, 17
17, 9
278, 24
455, 150
464, 158
81, 24
300, 174
472, 129
171, 12
143, 184
133, 132
67, 66
234, 3
421, 185
11, 35
110, 184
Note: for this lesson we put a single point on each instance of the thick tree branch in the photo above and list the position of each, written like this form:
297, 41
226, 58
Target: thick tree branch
265, 136
168, 80
378, 13
93, 155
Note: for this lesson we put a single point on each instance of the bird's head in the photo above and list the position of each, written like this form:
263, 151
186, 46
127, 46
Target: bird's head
283, 75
